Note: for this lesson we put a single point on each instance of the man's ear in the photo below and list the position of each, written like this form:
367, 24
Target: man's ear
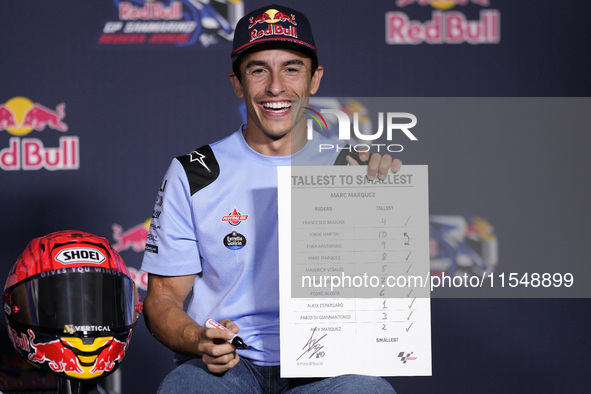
237, 85
316, 80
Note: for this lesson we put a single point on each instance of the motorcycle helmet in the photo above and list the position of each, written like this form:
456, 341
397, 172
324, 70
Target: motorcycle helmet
71, 305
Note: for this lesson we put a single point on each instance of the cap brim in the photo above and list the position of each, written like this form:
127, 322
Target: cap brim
295, 44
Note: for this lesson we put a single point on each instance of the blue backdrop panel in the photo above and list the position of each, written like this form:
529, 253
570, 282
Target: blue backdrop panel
132, 100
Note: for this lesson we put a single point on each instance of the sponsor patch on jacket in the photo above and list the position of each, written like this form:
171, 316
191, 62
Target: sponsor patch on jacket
234, 241
234, 218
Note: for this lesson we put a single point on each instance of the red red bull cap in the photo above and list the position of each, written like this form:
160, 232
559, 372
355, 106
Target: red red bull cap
273, 23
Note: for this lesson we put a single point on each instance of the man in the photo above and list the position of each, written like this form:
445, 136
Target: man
214, 228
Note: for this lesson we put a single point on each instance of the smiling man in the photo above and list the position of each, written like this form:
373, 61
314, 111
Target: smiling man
275, 81
214, 229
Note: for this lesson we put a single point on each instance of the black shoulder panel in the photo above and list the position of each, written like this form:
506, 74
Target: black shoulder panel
201, 168
341, 158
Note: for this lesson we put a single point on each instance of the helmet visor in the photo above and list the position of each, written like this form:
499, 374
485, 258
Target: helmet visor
75, 301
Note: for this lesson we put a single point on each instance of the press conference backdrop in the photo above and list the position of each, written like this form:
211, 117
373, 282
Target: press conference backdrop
97, 97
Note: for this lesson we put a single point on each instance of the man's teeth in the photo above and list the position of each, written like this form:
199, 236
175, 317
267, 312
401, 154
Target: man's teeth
277, 105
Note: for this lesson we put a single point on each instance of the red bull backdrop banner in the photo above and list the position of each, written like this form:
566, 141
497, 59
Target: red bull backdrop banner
170, 23
448, 23
24, 120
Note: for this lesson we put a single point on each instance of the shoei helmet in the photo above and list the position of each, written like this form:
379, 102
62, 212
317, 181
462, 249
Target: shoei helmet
71, 305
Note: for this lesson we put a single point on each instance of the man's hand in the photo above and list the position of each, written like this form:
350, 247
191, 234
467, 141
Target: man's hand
170, 324
217, 353
378, 164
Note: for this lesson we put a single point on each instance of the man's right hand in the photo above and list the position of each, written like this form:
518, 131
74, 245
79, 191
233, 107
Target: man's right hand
217, 353
171, 325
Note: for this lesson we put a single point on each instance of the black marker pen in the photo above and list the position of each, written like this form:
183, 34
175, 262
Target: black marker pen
236, 340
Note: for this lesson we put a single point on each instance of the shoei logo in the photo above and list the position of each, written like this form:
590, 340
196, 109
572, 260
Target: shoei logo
80, 255
391, 120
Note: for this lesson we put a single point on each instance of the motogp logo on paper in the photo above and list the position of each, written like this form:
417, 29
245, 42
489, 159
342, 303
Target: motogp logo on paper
406, 357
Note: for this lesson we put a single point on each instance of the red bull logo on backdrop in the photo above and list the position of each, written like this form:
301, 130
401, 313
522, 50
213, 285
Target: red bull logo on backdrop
171, 22
20, 117
134, 238
444, 27
441, 4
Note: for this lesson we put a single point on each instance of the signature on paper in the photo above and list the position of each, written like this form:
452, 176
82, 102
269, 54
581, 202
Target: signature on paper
313, 346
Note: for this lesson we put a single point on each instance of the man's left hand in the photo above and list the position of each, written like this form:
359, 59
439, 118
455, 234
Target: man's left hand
378, 164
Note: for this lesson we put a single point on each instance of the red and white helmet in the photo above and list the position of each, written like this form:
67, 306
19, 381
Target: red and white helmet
71, 305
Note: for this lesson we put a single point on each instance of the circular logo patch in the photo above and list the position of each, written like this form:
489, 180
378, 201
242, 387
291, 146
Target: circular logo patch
234, 241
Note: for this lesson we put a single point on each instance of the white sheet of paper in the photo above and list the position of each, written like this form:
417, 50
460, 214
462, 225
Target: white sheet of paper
349, 251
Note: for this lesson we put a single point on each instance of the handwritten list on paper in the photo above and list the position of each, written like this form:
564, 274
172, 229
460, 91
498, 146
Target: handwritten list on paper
354, 272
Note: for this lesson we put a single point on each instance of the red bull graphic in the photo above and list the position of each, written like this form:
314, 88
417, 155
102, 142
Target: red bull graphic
7, 118
271, 17
19, 116
109, 357
60, 359
444, 27
264, 17
134, 238
171, 22
21, 342
441, 4
69, 355
150, 11
17, 375
39, 117
139, 277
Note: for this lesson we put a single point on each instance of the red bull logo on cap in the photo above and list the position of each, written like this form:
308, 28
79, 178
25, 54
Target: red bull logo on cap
19, 117
272, 17
444, 27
